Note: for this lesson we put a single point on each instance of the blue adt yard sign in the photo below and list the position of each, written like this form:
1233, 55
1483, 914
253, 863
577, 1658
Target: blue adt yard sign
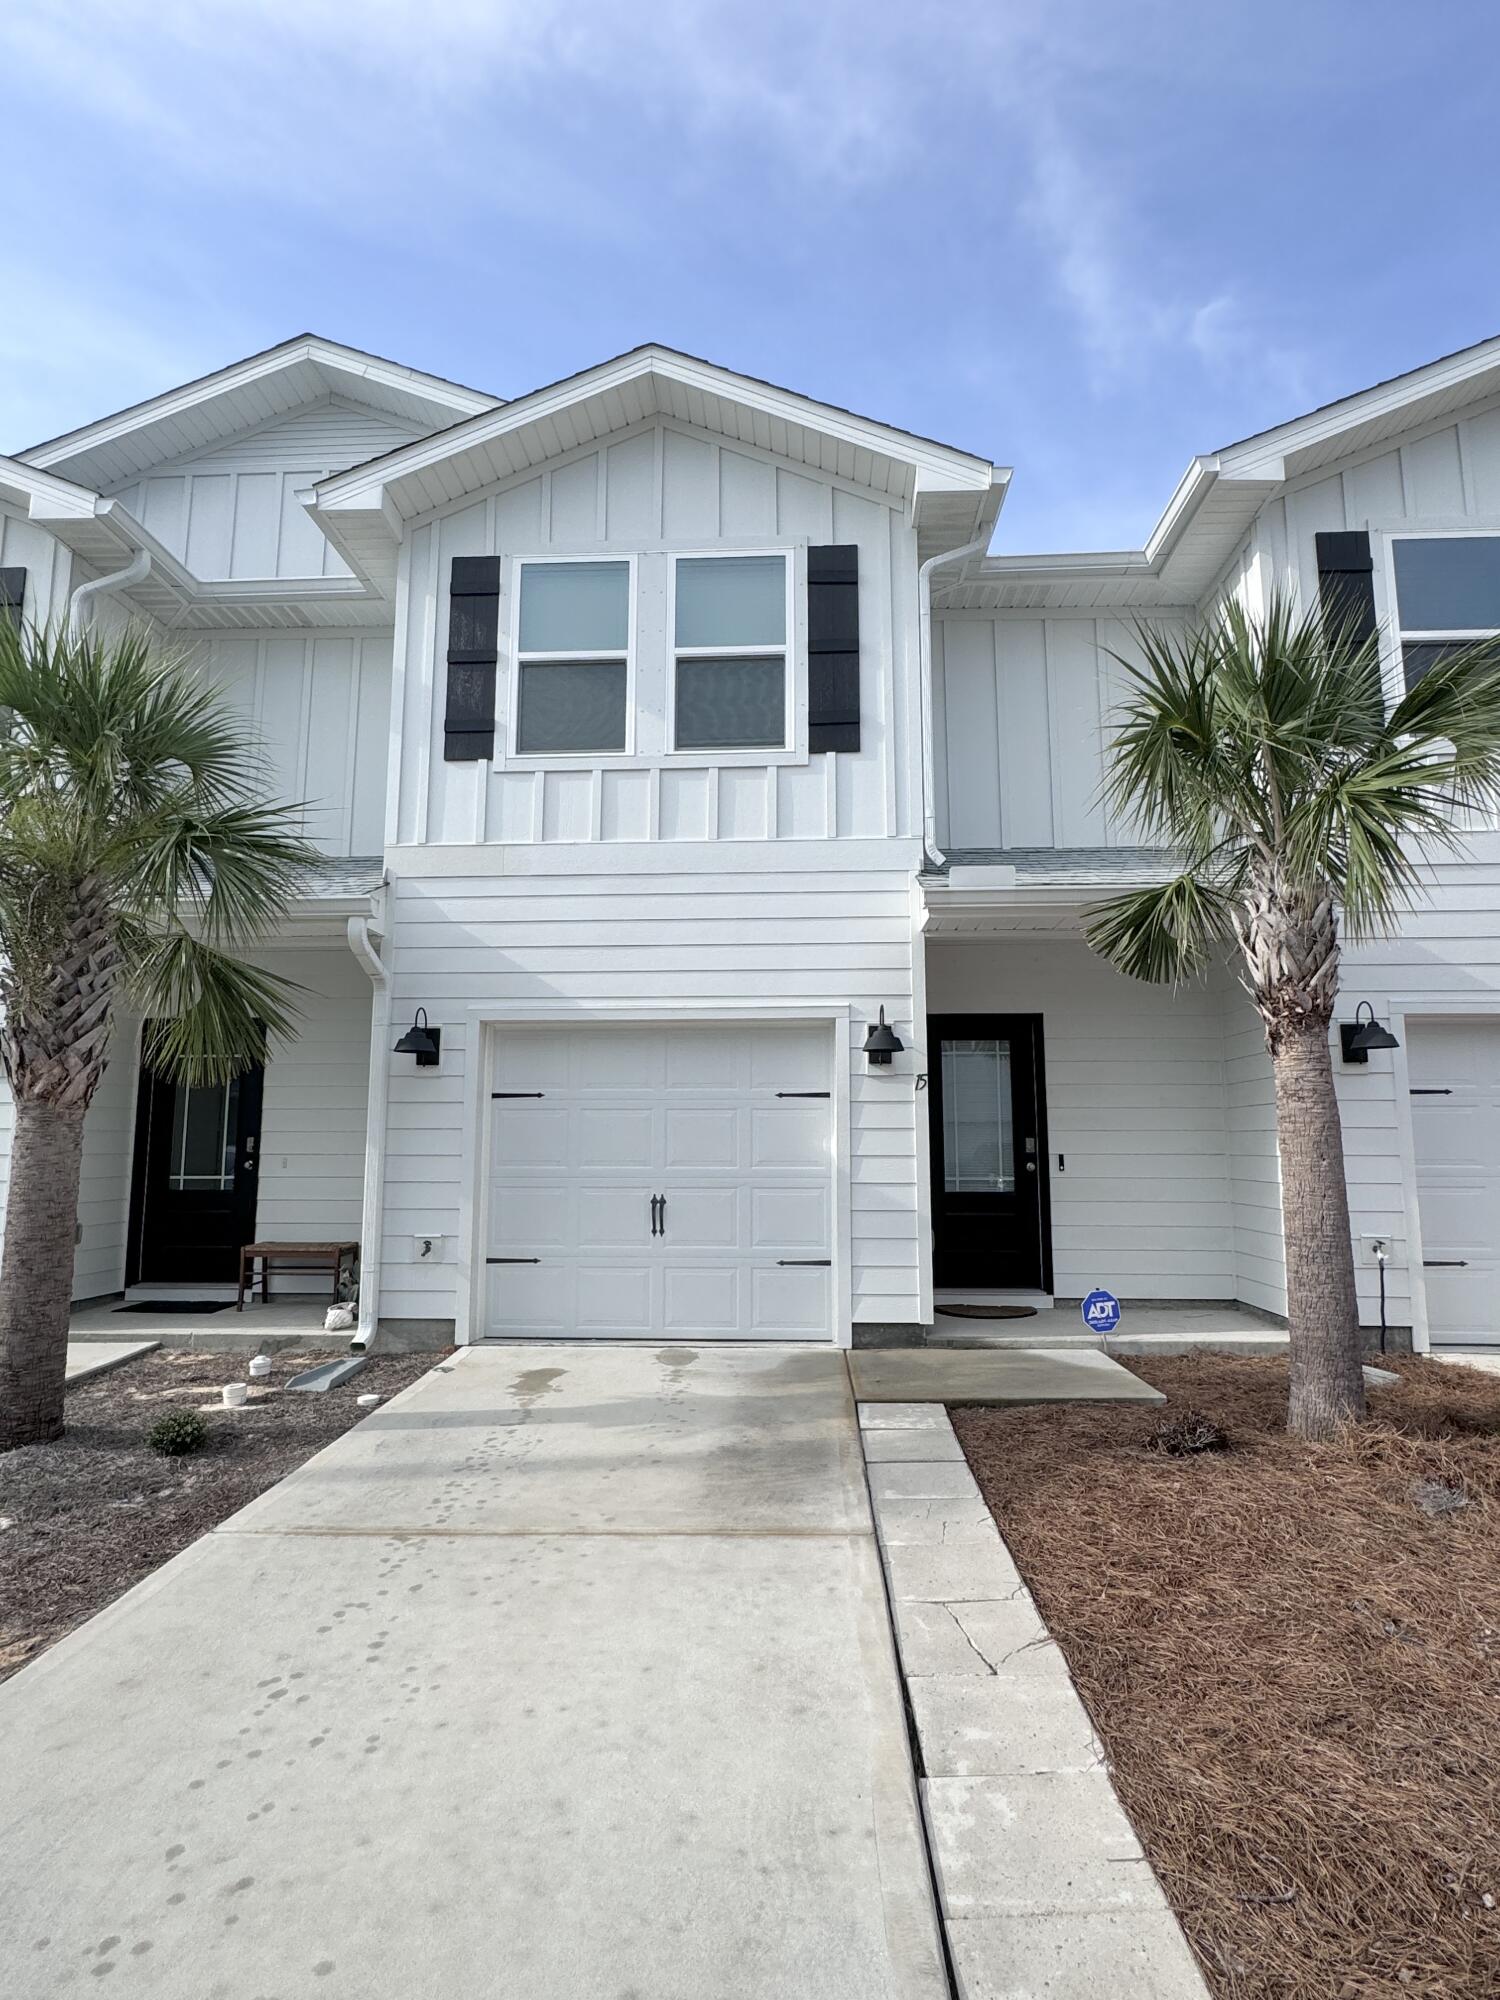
1101, 1312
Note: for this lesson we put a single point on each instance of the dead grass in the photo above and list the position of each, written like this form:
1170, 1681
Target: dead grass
88, 1516
1292, 1654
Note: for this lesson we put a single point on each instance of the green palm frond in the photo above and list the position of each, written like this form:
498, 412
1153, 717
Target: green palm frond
131, 794
1165, 934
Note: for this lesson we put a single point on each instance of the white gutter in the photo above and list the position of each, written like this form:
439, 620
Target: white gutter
81, 603
924, 674
376, 1095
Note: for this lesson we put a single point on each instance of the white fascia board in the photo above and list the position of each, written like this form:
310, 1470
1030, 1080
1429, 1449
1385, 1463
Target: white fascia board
343, 361
1256, 457
43, 495
943, 465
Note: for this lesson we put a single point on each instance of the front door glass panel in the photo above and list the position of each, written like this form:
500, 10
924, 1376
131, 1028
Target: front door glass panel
978, 1132
205, 1135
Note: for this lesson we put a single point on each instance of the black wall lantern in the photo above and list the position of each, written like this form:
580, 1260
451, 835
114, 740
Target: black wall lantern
421, 1041
1357, 1037
881, 1043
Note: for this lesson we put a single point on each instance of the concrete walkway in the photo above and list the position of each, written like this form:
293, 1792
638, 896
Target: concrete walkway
567, 1673
102, 1357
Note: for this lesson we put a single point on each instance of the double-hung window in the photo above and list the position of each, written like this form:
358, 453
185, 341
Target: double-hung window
731, 679
573, 650
1447, 596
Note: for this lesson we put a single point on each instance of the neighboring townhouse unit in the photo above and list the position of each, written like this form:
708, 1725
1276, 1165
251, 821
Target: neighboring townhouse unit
661, 728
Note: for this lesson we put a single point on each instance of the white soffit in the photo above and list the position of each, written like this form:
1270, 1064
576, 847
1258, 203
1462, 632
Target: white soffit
283, 379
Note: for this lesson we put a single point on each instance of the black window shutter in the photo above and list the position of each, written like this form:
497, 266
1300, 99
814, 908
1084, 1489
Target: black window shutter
473, 650
12, 595
833, 648
1346, 584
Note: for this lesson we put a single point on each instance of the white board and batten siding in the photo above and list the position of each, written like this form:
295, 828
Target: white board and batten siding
320, 708
1023, 706
653, 940
231, 510
658, 489
47, 563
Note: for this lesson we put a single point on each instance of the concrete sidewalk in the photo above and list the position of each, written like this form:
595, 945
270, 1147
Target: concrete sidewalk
567, 1673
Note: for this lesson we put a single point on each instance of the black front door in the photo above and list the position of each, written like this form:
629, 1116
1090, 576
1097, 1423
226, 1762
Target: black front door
989, 1152
193, 1195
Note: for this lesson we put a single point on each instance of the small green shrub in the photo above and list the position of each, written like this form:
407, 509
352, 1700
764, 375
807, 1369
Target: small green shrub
178, 1432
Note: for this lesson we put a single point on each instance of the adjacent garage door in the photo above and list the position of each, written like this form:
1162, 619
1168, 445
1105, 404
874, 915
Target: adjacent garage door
660, 1183
1455, 1117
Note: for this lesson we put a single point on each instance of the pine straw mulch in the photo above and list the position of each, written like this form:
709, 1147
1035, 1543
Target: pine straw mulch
95, 1512
1293, 1664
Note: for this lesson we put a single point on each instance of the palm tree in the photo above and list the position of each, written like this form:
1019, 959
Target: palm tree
133, 852
1261, 751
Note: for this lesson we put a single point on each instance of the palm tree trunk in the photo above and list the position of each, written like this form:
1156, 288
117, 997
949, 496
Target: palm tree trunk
36, 1277
1328, 1386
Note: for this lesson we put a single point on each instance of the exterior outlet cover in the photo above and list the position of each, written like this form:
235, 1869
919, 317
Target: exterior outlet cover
429, 1249
1395, 1250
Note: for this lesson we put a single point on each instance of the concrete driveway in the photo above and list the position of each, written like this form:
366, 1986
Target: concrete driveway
567, 1673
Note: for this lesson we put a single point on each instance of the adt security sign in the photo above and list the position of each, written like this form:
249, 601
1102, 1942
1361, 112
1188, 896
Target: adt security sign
1101, 1312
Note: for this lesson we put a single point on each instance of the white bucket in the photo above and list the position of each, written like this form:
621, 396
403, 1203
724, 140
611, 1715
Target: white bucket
260, 1367
235, 1394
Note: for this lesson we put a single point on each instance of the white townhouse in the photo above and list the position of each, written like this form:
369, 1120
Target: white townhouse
665, 732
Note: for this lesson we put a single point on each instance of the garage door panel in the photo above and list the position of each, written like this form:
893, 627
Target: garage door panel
790, 1135
616, 1298
530, 1299
529, 1135
790, 1302
701, 1137
791, 1220
620, 1136
703, 1219
612, 1217
531, 1217
532, 1059
704, 1060
789, 1059
608, 1059
702, 1298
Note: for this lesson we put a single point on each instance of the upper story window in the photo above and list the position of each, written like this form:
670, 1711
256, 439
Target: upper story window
573, 657
730, 686
1447, 596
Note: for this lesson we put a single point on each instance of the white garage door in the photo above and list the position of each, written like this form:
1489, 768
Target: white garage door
1455, 1117
661, 1183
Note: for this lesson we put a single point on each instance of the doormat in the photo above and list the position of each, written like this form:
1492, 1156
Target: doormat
165, 1306
986, 1312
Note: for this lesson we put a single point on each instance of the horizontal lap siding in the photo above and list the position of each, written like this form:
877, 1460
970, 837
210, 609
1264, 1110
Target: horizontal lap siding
312, 1147
832, 939
1136, 1104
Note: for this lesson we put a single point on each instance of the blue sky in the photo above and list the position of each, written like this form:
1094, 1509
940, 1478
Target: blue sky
1086, 238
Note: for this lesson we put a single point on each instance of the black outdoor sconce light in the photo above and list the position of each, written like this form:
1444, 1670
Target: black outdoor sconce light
1357, 1037
881, 1043
421, 1041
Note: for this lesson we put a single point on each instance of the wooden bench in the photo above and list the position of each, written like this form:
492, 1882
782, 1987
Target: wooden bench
330, 1257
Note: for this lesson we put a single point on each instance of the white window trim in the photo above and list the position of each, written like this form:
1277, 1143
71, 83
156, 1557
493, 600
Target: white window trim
516, 759
795, 706
1394, 669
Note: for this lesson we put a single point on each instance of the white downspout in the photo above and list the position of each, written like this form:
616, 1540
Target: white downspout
376, 1096
924, 670
81, 603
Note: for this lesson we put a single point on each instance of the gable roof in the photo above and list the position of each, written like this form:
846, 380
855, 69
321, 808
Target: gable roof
305, 369
954, 495
1219, 496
